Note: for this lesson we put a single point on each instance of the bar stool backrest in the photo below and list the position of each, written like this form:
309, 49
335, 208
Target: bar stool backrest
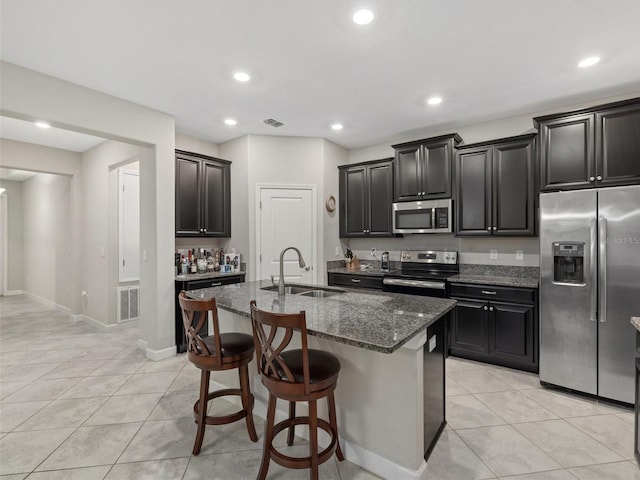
272, 333
196, 347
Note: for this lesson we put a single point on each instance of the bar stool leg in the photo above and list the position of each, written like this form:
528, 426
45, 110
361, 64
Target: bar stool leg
334, 424
313, 438
202, 410
268, 437
292, 427
243, 371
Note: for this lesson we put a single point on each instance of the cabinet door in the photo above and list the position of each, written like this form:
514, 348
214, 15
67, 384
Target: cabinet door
469, 327
436, 169
353, 199
567, 153
473, 191
216, 199
187, 196
380, 198
618, 146
513, 189
511, 333
408, 183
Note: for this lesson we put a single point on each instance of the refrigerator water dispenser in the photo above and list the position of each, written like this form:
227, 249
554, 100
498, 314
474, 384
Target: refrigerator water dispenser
568, 263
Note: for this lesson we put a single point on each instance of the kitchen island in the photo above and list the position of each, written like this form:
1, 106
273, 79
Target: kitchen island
391, 348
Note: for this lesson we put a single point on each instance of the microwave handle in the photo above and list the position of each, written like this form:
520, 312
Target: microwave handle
433, 218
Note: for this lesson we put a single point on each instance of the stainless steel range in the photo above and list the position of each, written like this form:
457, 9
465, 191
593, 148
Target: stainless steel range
422, 272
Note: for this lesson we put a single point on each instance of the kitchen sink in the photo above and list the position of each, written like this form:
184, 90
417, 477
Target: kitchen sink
305, 290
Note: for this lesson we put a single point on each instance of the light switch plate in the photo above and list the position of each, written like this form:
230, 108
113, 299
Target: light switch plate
493, 254
519, 255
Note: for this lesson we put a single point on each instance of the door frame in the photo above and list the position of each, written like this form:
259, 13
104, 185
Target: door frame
122, 171
4, 249
314, 222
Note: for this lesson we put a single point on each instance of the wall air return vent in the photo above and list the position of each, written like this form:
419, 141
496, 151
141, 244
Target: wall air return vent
273, 122
128, 303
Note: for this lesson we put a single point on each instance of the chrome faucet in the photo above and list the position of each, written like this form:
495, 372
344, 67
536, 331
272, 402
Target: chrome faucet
281, 278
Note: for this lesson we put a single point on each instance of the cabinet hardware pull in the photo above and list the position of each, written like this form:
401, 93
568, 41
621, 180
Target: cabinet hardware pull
216, 284
488, 229
489, 292
204, 230
591, 179
355, 280
599, 177
494, 228
491, 309
485, 308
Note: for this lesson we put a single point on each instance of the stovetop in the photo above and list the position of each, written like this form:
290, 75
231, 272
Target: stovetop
426, 265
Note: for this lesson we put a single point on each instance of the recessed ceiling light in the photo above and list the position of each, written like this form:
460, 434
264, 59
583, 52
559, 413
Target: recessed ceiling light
363, 17
588, 62
241, 76
434, 100
230, 121
43, 125
337, 126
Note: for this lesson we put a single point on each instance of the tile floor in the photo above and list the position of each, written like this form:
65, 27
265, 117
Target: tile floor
76, 403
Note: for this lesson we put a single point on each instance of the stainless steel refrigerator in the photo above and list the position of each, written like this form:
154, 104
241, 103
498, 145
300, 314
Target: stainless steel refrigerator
589, 287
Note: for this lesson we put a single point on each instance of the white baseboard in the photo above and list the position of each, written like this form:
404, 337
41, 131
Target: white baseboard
157, 355
14, 292
92, 321
370, 461
45, 301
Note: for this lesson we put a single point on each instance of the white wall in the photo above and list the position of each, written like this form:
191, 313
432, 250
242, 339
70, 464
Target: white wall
14, 265
30, 95
100, 220
27, 156
47, 251
333, 155
195, 145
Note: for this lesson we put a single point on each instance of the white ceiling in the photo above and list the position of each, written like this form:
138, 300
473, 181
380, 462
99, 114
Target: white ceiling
311, 66
28, 132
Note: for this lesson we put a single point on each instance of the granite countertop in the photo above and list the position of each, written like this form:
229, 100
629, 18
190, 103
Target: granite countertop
498, 275
378, 321
635, 321
496, 280
205, 276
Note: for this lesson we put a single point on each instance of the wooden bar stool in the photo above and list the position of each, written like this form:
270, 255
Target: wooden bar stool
300, 375
221, 351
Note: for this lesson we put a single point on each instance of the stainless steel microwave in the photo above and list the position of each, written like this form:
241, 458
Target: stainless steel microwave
427, 216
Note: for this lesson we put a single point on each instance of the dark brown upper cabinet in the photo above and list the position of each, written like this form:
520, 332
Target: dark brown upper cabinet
595, 147
203, 195
422, 168
366, 195
495, 191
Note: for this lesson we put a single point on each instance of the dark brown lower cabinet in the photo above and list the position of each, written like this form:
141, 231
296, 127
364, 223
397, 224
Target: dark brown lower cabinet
496, 325
354, 280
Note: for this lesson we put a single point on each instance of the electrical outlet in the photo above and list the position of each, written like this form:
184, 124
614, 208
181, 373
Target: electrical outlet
519, 255
493, 254
373, 252
338, 253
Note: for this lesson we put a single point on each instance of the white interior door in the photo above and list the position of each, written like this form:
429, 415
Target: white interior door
129, 225
287, 219
3, 244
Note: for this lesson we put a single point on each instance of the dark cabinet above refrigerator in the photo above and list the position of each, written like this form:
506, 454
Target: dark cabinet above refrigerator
595, 147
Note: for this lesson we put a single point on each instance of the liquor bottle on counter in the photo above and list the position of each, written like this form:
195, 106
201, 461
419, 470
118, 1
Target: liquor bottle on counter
202, 262
184, 266
194, 265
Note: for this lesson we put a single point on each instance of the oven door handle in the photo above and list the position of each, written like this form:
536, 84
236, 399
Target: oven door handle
401, 282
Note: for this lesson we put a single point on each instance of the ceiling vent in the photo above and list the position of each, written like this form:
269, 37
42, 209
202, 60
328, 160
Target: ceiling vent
273, 122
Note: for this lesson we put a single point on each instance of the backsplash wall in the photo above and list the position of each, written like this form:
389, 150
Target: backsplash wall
472, 250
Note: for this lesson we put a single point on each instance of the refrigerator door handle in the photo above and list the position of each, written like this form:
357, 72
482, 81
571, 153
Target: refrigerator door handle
594, 271
603, 269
